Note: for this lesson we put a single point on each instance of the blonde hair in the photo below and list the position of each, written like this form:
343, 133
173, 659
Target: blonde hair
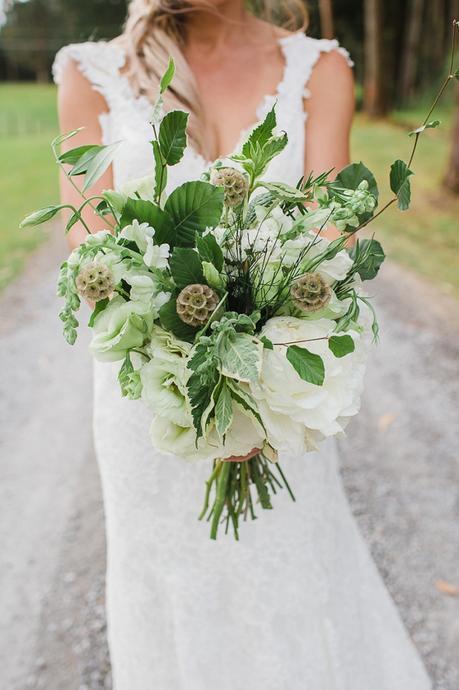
156, 29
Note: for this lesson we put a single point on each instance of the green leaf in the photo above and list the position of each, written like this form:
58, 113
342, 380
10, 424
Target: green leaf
223, 410
63, 137
267, 344
72, 156
456, 73
167, 77
209, 250
270, 150
308, 366
368, 256
284, 192
99, 307
148, 212
429, 125
129, 380
74, 218
212, 277
172, 136
400, 183
260, 135
160, 170
240, 356
201, 385
341, 345
193, 207
186, 267
352, 175
43, 215
171, 321
82, 163
95, 164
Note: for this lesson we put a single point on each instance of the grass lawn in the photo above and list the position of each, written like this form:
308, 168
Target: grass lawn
28, 174
426, 238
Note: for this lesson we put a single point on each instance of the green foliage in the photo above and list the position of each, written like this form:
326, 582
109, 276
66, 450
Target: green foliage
129, 380
400, 183
202, 383
284, 192
209, 250
98, 309
167, 77
422, 128
172, 136
223, 410
186, 267
171, 321
43, 215
240, 356
148, 212
308, 366
368, 256
341, 345
193, 207
93, 163
261, 147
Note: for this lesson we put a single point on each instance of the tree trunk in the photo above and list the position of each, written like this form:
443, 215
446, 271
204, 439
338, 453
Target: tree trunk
375, 101
326, 18
452, 176
410, 57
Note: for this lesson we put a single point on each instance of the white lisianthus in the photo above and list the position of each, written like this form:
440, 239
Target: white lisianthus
144, 291
164, 385
119, 327
330, 269
284, 398
275, 220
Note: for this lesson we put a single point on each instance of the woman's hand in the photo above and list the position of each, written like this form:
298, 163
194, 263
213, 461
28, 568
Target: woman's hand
243, 458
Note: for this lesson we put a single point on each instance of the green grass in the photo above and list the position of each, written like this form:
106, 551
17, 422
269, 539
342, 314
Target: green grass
425, 238
28, 175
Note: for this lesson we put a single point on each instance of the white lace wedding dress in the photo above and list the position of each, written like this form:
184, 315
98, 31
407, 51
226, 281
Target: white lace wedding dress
297, 604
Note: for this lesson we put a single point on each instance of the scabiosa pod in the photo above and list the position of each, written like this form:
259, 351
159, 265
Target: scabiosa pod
234, 183
94, 281
196, 303
310, 292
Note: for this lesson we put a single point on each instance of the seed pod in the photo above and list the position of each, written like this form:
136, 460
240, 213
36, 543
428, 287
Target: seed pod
234, 183
310, 292
196, 303
94, 281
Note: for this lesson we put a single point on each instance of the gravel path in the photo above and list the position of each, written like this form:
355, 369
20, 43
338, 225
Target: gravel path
400, 467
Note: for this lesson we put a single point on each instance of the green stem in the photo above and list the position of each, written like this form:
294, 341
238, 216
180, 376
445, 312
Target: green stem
222, 484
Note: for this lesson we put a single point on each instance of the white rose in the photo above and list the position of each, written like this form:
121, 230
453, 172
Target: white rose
319, 409
120, 327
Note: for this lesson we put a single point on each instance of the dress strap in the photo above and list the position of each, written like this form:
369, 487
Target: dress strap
301, 54
100, 62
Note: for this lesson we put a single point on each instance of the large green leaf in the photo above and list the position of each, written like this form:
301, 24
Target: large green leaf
308, 366
171, 321
194, 206
240, 356
148, 212
400, 183
186, 267
172, 136
341, 345
352, 175
368, 256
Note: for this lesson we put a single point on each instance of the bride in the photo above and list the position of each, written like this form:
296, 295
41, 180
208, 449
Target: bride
297, 604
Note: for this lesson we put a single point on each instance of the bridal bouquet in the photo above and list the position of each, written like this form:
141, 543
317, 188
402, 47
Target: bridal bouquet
232, 317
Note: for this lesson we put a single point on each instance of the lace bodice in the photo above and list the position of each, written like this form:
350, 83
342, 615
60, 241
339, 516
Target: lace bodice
127, 119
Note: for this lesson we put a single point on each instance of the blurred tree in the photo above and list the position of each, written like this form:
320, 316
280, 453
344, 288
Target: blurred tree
410, 56
375, 100
452, 176
326, 18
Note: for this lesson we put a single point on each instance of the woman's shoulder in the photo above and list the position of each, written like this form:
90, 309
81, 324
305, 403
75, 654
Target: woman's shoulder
97, 61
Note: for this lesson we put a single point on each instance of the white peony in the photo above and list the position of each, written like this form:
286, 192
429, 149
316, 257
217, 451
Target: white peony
285, 400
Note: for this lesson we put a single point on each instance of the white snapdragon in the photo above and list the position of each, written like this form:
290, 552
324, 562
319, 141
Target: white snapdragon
154, 256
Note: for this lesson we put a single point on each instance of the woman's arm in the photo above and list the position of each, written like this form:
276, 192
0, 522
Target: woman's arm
80, 106
330, 112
